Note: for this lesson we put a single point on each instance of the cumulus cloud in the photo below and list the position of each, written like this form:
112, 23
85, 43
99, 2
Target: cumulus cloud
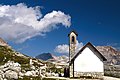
19, 22
64, 48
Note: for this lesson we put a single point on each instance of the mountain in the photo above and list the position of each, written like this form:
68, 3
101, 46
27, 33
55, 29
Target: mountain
112, 54
58, 61
45, 56
51, 57
112, 65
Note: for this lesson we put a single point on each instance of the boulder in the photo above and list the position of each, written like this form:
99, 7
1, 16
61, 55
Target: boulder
1, 67
11, 74
4, 79
32, 67
1, 72
1, 77
5, 69
21, 74
17, 69
30, 73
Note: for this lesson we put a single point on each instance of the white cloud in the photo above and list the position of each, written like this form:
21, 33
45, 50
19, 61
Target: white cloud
78, 46
64, 48
19, 22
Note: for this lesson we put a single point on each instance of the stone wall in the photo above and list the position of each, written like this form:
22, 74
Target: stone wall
71, 70
89, 74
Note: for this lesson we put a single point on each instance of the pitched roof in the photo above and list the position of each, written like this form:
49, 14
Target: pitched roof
99, 55
73, 32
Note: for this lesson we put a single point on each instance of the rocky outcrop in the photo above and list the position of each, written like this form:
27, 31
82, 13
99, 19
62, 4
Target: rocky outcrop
112, 55
3, 43
10, 70
31, 73
11, 74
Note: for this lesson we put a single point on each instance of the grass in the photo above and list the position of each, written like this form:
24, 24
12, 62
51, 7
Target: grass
7, 54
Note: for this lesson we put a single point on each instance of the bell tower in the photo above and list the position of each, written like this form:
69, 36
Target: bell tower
72, 43
72, 49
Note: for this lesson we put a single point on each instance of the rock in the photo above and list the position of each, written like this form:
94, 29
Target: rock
34, 73
21, 77
17, 65
17, 69
12, 63
11, 74
1, 67
21, 74
37, 72
32, 67
1, 72
5, 79
5, 69
31, 63
30, 73
23, 71
10, 70
1, 77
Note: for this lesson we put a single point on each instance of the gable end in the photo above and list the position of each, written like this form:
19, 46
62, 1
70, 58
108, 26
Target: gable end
92, 48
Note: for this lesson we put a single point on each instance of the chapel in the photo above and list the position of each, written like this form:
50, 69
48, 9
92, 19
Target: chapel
87, 62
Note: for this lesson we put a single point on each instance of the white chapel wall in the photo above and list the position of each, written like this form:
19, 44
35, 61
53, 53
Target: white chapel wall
87, 61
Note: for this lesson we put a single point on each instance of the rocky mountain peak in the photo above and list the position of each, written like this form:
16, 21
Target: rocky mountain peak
110, 53
45, 56
107, 49
3, 43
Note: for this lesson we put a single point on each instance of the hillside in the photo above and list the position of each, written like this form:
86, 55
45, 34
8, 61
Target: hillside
9, 54
15, 65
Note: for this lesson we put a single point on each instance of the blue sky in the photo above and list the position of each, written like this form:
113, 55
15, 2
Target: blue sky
95, 21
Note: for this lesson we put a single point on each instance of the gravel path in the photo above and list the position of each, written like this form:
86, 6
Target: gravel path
105, 78
110, 78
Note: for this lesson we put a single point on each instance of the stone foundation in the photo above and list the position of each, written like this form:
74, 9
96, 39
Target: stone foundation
89, 74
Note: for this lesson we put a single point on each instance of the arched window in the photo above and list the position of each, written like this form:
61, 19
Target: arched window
73, 39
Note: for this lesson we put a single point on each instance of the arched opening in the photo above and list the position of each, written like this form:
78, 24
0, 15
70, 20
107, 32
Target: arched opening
73, 39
